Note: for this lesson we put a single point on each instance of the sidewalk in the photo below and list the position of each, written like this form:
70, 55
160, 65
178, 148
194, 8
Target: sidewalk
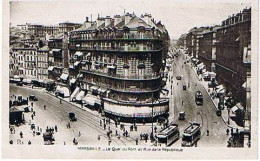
215, 101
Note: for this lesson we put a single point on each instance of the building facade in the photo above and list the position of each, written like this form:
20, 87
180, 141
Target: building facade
121, 59
42, 63
233, 50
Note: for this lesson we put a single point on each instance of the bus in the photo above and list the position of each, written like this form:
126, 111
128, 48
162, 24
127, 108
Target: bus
191, 135
198, 98
168, 135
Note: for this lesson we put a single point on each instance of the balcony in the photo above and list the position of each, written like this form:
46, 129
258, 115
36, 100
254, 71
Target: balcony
117, 76
117, 37
159, 102
116, 49
135, 90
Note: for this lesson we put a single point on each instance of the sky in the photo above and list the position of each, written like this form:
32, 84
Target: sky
177, 16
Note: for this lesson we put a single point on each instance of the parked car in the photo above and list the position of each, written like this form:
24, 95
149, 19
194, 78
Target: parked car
19, 83
33, 98
178, 77
181, 115
72, 116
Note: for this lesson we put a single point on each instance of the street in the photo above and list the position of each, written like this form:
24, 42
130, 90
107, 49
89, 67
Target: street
205, 114
88, 123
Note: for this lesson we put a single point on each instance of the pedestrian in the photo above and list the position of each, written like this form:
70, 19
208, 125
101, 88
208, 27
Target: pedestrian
155, 128
29, 142
227, 131
79, 134
98, 137
116, 132
182, 103
104, 126
60, 100
100, 122
33, 133
21, 134
69, 125
44, 107
64, 143
74, 140
32, 116
136, 141
232, 131
34, 113
126, 133
56, 129
207, 132
32, 104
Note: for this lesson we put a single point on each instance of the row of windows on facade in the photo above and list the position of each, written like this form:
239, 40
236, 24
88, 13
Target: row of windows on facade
131, 34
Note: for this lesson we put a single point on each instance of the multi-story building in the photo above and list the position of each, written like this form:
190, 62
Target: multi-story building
42, 30
207, 49
233, 54
121, 59
66, 27
192, 40
58, 55
27, 61
42, 63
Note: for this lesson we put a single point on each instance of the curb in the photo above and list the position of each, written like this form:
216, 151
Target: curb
213, 102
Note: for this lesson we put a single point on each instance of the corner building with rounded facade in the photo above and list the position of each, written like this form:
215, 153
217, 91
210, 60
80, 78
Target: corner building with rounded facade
122, 60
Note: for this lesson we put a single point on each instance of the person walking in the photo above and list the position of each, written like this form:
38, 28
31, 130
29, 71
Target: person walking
44, 107
60, 100
207, 132
32, 104
136, 141
227, 131
56, 128
21, 134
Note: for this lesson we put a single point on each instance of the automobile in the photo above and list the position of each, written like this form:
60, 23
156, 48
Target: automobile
48, 138
33, 98
178, 77
218, 112
72, 116
19, 83
184, 87
26, 109
181, 115
198, 98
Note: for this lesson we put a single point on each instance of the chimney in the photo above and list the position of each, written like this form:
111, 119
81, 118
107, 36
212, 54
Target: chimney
147, 18
100, 21
117, 19
107, 21
127, 18
87, 23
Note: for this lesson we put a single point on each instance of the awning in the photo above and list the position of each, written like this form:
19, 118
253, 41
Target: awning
203, 70
78, 53
220, 87
74, 93
94, 88
89, 54
73, 80
51, 68
102, 90
111, 66
90, 100
220, 90
27, 81
76, 63
64, 76
63, 90
56, 50
80, 95
16, 77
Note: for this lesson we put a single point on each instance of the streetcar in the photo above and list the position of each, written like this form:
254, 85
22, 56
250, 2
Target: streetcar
191, 135
198, 98
168, 135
